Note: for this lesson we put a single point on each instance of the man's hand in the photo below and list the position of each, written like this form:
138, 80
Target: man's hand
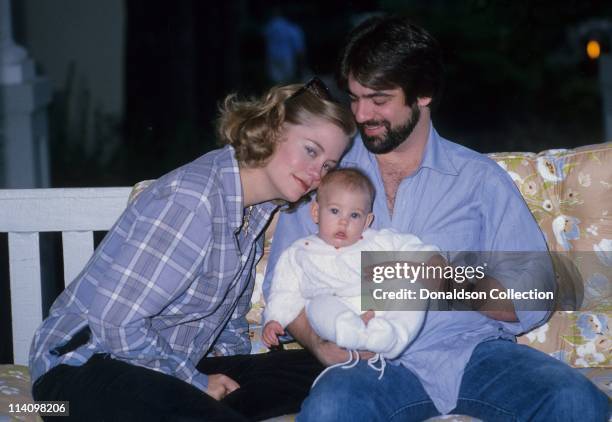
220, 385
367, 316
270, 334
326, 352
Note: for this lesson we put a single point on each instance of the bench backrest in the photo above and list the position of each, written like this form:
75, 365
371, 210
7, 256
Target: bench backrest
24, 213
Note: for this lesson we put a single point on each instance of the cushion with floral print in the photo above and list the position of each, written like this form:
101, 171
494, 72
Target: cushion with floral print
15, 389
569, 193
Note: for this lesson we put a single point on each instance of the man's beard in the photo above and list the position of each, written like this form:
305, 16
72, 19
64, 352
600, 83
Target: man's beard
393, 137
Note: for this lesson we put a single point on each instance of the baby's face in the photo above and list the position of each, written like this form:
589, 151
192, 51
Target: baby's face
342, 215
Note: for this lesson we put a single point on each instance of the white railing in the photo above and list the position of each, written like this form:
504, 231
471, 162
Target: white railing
24, 213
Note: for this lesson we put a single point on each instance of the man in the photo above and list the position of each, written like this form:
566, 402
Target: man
462, 362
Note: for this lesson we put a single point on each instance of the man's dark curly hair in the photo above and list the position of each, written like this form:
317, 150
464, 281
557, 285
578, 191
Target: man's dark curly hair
390, 52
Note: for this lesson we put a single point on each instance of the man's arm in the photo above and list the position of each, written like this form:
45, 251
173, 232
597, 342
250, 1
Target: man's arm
519, 273
499, 309
502, 309
326, 352
519, 252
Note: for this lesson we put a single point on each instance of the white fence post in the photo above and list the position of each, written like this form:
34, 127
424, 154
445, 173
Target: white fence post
24, 213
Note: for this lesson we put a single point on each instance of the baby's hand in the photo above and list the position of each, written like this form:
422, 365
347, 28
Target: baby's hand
271, 331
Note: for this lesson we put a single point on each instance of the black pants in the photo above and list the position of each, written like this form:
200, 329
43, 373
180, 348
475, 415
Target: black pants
105, 389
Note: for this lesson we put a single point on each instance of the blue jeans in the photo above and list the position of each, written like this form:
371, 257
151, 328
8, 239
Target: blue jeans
503, 381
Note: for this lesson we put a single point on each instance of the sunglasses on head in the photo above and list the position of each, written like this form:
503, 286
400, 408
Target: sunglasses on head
317, 87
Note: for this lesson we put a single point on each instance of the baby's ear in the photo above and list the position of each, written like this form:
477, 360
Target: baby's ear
314, 211
369, 219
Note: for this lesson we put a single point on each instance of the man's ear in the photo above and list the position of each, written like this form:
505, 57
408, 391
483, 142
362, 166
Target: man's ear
424, 101
314, 211
369, 219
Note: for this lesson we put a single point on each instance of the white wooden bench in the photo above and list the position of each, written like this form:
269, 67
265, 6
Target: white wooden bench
24, 213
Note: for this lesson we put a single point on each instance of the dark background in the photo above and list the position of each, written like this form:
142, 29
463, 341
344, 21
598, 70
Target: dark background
516, 80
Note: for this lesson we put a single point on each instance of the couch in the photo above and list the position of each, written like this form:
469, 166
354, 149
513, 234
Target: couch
569, 193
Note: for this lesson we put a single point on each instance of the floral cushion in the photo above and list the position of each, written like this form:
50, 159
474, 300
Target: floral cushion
15, 389
569, 192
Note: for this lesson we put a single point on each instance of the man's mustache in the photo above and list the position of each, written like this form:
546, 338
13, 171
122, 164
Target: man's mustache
373, 123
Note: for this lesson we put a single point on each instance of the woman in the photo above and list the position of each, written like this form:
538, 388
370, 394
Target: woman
150, 324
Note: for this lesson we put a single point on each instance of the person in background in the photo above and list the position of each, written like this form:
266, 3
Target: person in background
285, 49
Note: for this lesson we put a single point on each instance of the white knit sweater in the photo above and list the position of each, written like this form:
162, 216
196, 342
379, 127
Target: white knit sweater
326, 281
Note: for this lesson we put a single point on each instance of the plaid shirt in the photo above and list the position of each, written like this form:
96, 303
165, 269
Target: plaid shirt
170, 283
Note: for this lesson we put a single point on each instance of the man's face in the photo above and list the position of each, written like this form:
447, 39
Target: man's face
383, 117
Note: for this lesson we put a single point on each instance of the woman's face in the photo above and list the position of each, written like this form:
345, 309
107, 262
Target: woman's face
303, 156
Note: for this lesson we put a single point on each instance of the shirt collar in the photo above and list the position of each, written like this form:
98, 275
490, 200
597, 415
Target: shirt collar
436, 156
228, 176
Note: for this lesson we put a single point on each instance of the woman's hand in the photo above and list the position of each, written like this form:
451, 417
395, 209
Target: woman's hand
220, 385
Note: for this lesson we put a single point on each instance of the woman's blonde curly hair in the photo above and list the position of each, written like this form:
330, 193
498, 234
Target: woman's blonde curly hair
254, 126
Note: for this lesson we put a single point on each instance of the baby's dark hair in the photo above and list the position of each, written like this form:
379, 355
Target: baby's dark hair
349, 178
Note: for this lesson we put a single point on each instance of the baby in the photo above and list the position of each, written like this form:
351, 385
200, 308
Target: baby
322, 272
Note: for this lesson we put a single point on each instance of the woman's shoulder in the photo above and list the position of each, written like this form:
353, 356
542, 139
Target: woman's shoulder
201, 182
210, 172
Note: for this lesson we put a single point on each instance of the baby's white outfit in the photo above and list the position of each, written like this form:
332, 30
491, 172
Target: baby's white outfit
327, 281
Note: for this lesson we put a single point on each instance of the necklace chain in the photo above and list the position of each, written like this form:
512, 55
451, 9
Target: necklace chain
246, 219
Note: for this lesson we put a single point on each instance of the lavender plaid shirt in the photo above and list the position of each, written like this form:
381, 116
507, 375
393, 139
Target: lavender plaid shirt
170, 283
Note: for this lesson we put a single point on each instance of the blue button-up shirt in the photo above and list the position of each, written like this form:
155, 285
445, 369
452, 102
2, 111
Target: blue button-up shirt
171, 281
458, 200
